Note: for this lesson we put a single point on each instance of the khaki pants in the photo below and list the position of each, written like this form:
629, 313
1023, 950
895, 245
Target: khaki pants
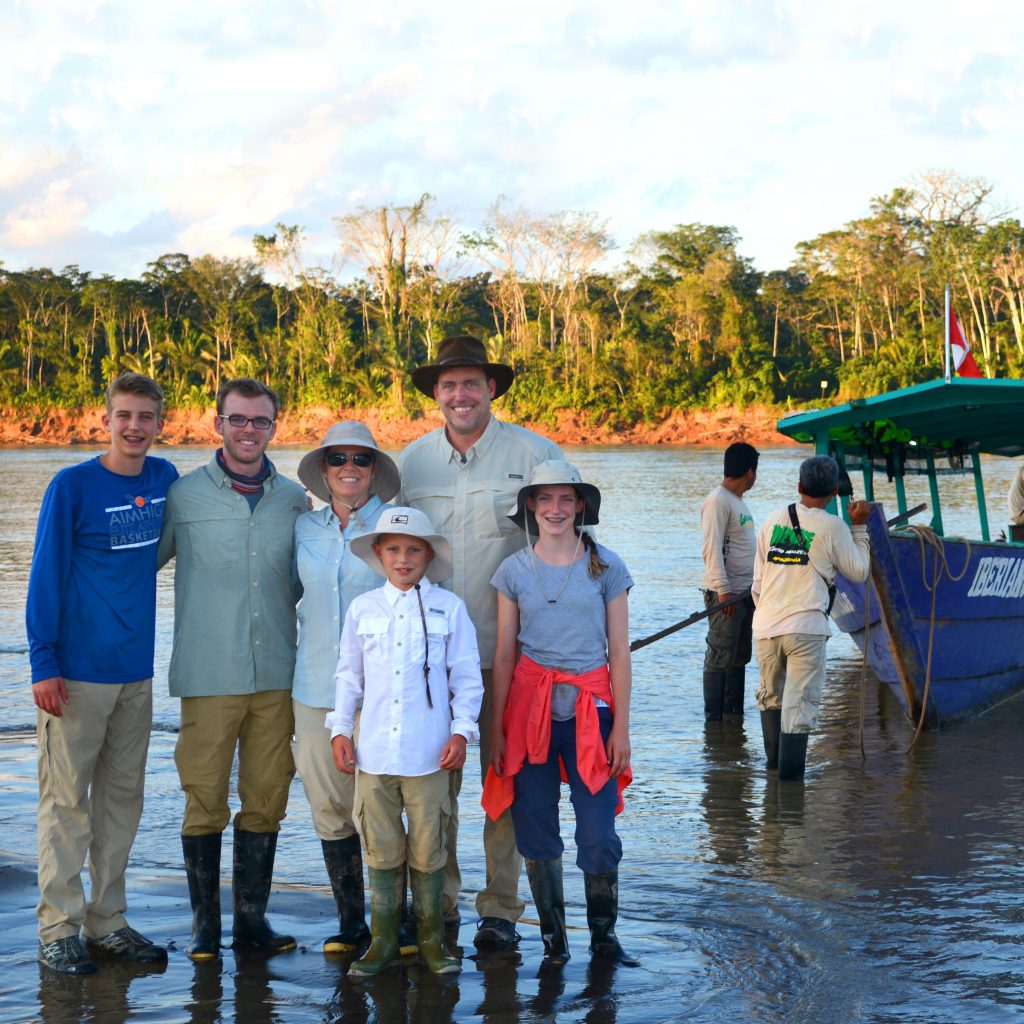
92, 768
500, 895
260, 724
330, 793
380, 800
792, 675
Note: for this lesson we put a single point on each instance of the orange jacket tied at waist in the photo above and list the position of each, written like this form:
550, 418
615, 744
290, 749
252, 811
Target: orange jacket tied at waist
527, 724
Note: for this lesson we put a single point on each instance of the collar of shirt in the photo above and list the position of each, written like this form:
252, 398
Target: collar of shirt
221, 479
480, 446
360, 520
394, 594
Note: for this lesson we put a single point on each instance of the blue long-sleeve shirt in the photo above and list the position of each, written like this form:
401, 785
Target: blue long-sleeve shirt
91, 605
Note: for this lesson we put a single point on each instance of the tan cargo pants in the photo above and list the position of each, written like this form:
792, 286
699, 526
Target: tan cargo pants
260, 725
331, 794
92, 768
792, 677
500, 894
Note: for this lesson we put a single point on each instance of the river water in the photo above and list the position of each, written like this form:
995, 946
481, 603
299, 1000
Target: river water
889, 887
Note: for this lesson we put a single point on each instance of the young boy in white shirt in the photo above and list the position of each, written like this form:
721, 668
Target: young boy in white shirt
408, 658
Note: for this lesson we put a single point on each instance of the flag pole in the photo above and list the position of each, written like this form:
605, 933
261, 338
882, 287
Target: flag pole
948, 359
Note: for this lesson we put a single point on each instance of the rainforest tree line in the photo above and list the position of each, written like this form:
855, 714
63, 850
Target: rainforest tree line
683, 320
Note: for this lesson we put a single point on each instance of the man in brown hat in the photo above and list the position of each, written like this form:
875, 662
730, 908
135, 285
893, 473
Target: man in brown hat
466, 476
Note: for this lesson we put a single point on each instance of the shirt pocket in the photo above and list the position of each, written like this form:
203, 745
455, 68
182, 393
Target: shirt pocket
373, 633
218, 543
312, 558
490, 506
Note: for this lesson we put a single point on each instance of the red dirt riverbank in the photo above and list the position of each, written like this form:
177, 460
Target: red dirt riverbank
716, 427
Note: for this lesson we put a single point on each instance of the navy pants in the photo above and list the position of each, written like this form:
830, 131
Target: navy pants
535, 808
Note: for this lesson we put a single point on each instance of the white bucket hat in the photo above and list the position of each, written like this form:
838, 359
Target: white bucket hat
385, 482
412, 523
552, 473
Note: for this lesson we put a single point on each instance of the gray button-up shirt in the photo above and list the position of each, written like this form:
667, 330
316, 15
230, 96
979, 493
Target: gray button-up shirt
468, 502
234, 584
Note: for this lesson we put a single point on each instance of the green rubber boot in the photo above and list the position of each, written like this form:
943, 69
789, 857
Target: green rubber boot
386, 890
427, 890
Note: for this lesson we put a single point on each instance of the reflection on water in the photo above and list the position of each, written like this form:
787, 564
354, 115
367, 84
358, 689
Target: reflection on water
889, 887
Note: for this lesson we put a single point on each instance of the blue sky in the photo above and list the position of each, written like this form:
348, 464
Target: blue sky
128, 130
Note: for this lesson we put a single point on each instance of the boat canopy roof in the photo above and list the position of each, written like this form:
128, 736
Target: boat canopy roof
942, 417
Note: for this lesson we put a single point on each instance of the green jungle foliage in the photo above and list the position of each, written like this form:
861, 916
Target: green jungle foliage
683, 321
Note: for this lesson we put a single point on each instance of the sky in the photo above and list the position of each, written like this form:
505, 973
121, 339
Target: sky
133, 129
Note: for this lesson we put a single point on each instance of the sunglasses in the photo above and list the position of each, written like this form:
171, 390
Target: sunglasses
361, 459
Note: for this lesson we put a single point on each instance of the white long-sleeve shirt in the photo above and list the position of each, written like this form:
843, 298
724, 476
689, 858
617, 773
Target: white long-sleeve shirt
790, 583
728, 542
380, 669
1015, 500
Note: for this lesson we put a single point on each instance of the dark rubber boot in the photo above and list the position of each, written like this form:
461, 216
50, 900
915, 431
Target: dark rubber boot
202, 868
771, 724
732, 697
407, 920
387, 894
253, 871
546, 885
345, 869
602, 893
792, 755
426, 901
714, 695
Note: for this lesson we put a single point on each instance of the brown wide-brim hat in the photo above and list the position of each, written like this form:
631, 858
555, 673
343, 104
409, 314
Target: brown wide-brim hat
385, 482
462, 350
410, 522
551, 473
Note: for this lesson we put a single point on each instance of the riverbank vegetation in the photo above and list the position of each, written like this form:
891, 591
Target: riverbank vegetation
681, 320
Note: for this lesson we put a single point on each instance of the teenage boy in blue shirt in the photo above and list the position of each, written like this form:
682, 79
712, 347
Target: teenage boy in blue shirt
90, 617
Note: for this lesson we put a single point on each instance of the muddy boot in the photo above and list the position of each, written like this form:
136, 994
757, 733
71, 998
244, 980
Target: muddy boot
771, 723
202, 868
386, 897
345, 870
546, 885
732, 697
253, 871
426, 902
714, 693
792, 755
407, 920
602, 893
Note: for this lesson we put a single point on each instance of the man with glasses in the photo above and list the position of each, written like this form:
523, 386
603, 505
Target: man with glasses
229, 526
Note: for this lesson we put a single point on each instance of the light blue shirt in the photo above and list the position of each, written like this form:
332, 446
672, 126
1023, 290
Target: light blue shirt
331, 577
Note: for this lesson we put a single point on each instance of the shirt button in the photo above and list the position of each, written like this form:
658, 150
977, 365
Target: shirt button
255, 583
399, 643
256, 643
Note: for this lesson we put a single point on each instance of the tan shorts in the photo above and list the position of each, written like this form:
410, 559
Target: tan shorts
380, 800
260, 725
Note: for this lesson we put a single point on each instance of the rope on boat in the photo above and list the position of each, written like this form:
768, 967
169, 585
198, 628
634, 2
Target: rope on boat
926, 536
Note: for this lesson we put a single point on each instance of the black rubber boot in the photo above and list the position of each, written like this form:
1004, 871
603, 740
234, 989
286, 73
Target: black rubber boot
426, 901
792, 755
546, 885
732, 697
344, 861
771, 724
714, 695
253, 871
602, 893
202, 868
387, 894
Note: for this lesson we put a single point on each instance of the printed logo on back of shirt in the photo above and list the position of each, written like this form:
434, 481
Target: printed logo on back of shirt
786, 549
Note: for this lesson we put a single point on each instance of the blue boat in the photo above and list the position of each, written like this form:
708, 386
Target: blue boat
941, 618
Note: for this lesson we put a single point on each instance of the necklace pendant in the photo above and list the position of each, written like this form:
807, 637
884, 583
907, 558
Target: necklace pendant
552, 600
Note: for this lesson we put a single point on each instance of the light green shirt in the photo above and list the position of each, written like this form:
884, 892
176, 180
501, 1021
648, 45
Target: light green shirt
468, 502
234, 584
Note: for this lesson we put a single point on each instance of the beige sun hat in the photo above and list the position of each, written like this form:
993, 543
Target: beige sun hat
551, 473
385, 482
412, 523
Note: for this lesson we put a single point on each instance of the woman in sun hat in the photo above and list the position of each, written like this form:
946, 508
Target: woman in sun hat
564, 702
355, 479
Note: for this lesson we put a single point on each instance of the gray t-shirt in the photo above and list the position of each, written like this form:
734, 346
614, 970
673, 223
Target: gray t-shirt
564, 630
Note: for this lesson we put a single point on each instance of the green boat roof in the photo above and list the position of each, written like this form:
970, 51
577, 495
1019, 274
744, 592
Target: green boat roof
940, 416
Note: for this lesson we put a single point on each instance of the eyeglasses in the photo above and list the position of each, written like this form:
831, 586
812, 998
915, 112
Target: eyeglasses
361, 459
236, 419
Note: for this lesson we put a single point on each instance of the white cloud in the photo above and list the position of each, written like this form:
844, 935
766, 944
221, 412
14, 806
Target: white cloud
192, 126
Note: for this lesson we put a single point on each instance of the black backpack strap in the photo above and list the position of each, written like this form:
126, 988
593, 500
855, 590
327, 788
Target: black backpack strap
800, 537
